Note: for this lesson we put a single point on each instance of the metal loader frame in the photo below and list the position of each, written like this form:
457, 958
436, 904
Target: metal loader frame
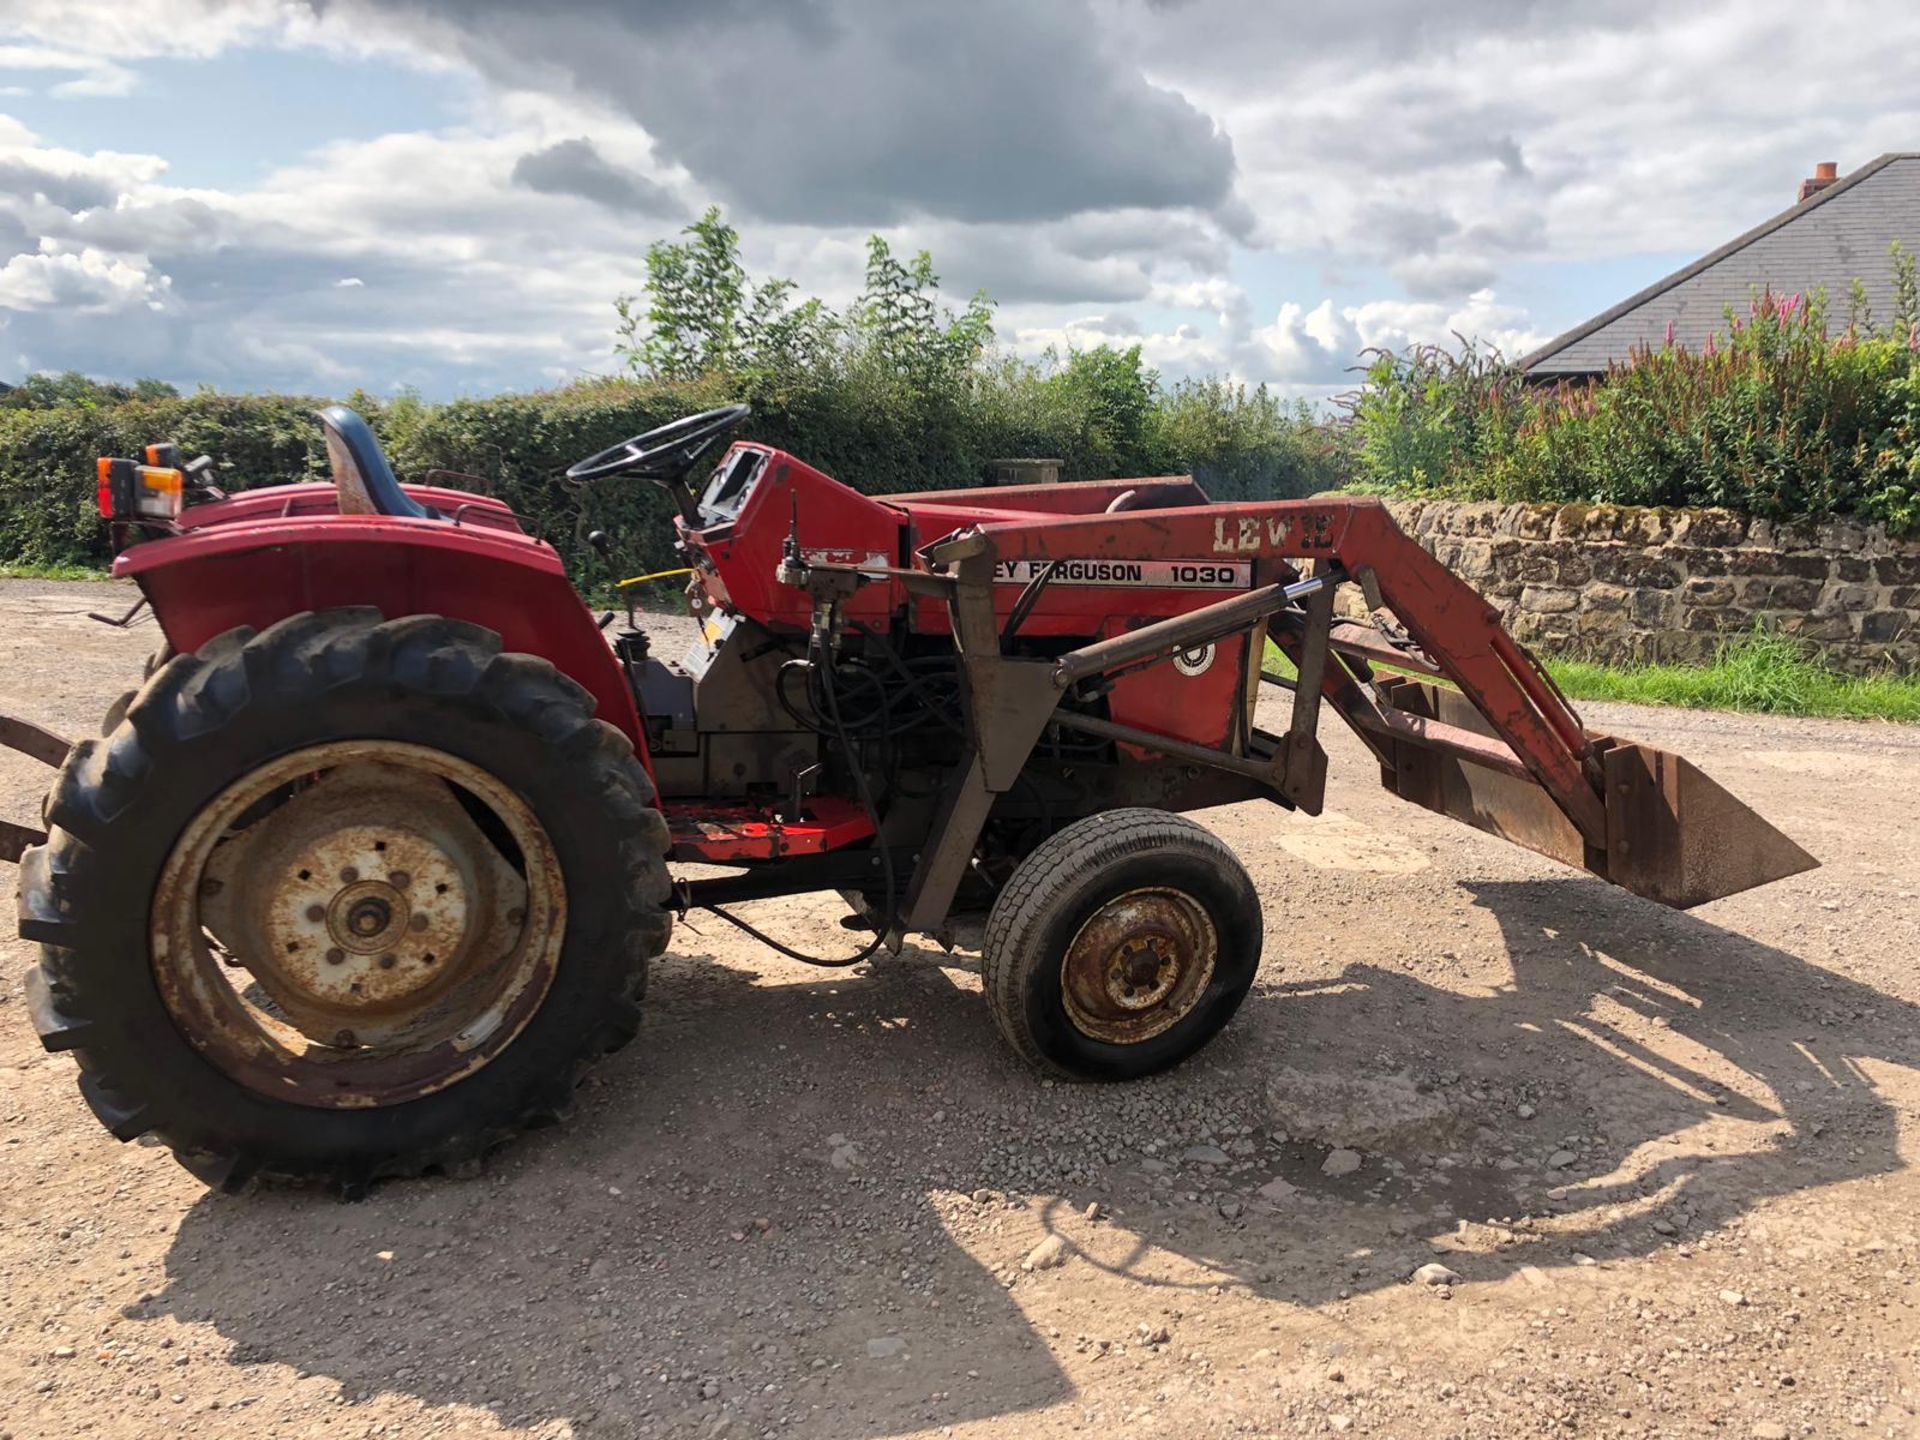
1502, 749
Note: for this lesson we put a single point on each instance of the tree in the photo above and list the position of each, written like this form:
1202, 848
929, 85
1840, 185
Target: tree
71, 389
704, 316
1113, 394
901, 324
696, 294
1906, 293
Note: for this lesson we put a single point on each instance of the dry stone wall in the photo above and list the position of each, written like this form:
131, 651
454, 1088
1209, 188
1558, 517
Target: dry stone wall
1623, 584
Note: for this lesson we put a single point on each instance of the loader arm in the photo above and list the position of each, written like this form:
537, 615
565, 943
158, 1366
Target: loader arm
1501, 749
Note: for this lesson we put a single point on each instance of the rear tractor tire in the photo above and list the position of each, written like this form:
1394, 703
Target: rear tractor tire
346, 899
1121, 945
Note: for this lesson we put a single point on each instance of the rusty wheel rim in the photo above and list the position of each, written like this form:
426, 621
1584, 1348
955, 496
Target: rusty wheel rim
358, 923
1139, 965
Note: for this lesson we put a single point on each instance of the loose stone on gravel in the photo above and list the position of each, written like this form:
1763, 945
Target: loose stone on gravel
1050, 1254
842, 1153
1434, 1273
1206, 1155
1340, 1162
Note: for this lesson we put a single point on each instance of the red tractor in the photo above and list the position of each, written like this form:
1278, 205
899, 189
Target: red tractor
375, 860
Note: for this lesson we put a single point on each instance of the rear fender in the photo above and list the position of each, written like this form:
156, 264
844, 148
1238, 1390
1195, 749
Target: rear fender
207, 582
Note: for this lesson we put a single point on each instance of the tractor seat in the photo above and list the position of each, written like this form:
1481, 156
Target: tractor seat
360, 471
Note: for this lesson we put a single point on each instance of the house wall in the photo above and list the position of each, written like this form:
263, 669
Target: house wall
1623, 584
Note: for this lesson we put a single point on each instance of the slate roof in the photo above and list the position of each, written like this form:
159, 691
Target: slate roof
1826, 241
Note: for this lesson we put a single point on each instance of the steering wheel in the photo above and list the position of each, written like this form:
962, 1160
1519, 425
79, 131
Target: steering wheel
664, 455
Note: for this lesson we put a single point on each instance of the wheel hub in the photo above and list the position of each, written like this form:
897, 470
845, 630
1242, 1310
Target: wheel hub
388, 944
351, 903
1138, 965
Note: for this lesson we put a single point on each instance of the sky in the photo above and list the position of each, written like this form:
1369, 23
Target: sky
447, 195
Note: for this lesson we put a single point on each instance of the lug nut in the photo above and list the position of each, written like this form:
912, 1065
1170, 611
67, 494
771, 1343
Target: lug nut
386, 962
418, 922
348, 875
336, 956
400, 879
344, 1039
316, 913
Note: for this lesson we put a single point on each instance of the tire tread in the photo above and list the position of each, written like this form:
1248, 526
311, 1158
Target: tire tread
190, 699
1043, 881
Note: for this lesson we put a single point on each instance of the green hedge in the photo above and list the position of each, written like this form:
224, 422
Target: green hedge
47, 508
866, 429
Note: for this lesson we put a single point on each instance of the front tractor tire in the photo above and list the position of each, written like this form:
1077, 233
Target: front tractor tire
346, 899
1120, 946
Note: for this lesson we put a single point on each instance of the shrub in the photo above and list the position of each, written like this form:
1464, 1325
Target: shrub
1779, 419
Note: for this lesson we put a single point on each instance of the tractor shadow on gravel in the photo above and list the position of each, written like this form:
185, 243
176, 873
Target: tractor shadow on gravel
1757, 1085
603, 1273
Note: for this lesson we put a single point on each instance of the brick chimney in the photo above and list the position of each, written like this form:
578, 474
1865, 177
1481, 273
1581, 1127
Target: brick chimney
1824, 174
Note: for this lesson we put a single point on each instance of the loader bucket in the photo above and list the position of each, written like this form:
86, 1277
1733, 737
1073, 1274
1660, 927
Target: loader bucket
1675, 836
1672, 834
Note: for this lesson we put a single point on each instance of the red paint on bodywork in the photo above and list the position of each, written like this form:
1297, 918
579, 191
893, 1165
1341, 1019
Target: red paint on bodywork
723, 832
740, 557
283, 502
838, 525
268, 556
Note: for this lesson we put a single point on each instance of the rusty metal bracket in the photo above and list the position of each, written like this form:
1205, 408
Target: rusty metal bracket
123, 621
1304, 759
1008, 704
43, 745
35, 740
16, 840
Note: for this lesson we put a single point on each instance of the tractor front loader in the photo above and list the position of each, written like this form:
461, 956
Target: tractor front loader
376, 858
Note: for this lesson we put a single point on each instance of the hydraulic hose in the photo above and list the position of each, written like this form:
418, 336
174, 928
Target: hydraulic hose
823, 663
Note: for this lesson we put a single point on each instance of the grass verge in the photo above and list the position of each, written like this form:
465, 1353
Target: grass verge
52, 572
1763, 673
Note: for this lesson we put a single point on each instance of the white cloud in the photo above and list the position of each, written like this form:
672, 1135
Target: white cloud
1422, 148
1321, 346
87, 283
94, 74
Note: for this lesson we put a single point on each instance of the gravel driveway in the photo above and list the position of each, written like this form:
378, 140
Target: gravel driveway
1662, 1161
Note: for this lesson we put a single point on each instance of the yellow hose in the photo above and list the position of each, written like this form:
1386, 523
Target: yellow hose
656, 575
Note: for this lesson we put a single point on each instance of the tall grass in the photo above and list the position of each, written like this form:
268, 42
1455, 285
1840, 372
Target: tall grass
1763, 673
